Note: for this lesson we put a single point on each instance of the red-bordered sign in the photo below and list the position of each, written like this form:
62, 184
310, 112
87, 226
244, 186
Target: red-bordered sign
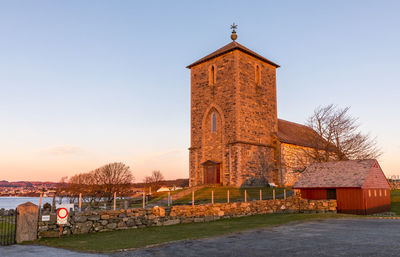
62, 213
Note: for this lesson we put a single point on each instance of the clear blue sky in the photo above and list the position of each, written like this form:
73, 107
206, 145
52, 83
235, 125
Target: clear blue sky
84, 83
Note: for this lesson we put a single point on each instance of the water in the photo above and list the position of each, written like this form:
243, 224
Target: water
12, 202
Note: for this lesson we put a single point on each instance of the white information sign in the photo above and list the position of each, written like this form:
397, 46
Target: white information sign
62, 216
68, 206
46, 218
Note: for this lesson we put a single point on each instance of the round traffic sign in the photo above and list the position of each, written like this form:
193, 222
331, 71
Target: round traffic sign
62, 213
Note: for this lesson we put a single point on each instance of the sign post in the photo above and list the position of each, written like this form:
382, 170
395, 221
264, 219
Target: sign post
62, 218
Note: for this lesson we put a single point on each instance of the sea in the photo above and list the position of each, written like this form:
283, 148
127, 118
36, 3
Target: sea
11, 202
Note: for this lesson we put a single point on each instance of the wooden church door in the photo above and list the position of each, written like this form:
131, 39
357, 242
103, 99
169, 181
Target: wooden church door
212, 174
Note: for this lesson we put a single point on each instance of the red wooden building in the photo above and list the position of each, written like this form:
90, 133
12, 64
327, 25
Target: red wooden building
359, 186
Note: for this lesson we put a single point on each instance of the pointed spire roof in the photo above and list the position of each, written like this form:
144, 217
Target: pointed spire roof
229, 48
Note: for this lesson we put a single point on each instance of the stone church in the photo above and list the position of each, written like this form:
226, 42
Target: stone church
236, 136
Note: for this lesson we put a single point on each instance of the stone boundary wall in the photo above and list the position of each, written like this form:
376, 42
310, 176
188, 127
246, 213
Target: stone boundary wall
98, 221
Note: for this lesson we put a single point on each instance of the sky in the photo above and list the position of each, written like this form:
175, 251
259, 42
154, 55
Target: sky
85, 83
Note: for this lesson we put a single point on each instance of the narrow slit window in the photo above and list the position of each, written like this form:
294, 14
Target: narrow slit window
258, 75
212, 75
214, 122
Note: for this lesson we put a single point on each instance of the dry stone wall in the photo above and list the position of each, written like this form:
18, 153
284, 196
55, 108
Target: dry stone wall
98, 221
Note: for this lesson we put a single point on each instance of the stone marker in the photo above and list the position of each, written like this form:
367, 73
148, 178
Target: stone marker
27, 221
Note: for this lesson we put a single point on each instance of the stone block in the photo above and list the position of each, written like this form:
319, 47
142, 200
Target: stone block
27, 222
94, 217
50, 233
172, 222
111, 226
80, 218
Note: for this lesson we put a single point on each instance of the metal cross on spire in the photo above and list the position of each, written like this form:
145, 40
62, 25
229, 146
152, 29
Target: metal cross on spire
233, 28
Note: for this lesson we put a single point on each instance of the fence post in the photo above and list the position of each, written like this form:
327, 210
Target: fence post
192, 198
144, 199
115, 200
284, 193
260, 195
169, 198
245, 196
212, 197
80, 201
273, 193
227, 196
40, 203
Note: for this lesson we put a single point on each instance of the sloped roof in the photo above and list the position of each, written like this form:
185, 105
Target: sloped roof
297, 134
228, 48
351, 173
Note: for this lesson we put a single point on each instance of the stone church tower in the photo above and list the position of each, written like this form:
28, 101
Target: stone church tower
234, 121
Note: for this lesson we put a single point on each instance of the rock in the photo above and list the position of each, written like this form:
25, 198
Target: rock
111, 226
43, 228
80, 218
50, 233
188, 220
94, 217
105, 217
98, 228
172, 222
82, 228
130, 223
208, 218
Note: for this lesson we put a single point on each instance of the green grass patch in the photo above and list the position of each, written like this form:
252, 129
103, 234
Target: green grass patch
136, 238
395, 201
203, 195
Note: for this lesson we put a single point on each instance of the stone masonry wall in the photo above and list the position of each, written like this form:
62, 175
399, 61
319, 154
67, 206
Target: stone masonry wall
98, 221
246, 112
294, 159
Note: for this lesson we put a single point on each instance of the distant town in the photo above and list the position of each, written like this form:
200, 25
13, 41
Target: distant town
48, 189
27, 188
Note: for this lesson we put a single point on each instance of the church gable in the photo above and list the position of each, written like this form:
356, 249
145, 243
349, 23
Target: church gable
229, 48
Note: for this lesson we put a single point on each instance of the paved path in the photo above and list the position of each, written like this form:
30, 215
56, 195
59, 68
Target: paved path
335, 237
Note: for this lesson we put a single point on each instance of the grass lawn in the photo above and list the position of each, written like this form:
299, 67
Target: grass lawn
203, 195
135, 238
395, 201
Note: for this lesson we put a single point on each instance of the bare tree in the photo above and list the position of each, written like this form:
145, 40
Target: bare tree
337, 136
113, 177
100, 184
154, 180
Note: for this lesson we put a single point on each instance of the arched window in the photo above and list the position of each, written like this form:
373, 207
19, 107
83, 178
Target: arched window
213, 122
258, 75
212, 75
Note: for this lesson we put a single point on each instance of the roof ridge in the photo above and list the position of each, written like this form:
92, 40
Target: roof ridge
303, 125
228, 48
